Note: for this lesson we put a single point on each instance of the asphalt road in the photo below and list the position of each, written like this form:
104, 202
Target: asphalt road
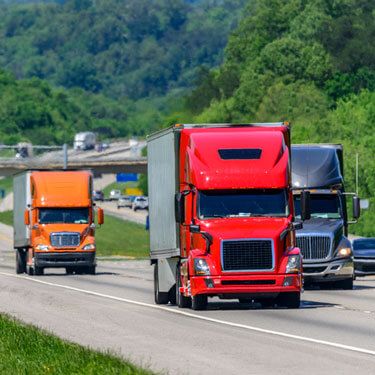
333, 332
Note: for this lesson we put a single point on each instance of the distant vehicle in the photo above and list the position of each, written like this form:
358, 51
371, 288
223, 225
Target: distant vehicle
364, 256
98, 195
24, 150
326, 249
126, 201
84, 141
140, 203
54, 221
114, 195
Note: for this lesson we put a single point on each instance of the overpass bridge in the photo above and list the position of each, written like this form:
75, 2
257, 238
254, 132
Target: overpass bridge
119, 158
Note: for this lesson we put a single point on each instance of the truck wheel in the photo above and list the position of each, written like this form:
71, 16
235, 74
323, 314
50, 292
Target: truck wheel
199, 302
38, 271
69, 270
30, 270
346, 284
161, 298
181, 300
290, 300
245, 300
267, 302
20, 261
91, 270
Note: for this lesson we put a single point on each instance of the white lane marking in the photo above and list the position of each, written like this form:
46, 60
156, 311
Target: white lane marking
199, 317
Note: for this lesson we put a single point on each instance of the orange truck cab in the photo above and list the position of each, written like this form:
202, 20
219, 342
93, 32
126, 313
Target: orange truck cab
54, 221
222, 215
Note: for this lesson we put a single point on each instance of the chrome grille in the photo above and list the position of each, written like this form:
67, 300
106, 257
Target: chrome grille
65, 239
314, 247
247, 255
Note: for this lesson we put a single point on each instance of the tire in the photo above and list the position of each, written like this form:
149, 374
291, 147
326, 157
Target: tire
181, 300
268, 302
161, 298
91, 270
30, 270
199, 302
346, 284
20, 261
290, 300
38, 271
69, 270
245, 300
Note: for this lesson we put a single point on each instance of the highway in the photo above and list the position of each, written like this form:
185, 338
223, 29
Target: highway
332, 333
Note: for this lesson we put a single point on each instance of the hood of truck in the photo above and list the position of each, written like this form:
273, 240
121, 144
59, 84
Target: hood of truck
318, 225
364, 253
45, 230
61, 188
237, 159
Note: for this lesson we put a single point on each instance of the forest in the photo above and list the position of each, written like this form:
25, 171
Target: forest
130, 67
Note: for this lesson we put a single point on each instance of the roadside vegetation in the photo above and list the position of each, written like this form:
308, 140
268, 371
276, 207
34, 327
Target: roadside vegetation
115, 238
119, 186
25, 349
307, 62
6, 184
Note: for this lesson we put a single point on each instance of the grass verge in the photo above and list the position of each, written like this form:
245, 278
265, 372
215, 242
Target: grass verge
27, 350
115, 237
6, 184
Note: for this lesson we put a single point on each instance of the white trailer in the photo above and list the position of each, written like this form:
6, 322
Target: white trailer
84, 141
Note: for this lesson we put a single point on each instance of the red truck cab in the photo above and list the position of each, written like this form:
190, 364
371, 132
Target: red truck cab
235, 217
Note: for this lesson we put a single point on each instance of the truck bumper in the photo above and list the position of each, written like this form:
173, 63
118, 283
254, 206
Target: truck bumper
230, 287
364, 266
66, 259
338, 269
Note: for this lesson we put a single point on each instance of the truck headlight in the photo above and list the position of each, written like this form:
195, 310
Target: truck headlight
294, 264
344, 252
201, 267
42, 247
89, 246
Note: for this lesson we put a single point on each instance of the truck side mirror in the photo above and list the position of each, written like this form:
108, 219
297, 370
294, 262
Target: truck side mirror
26, 217
356, 207
305, 205
100, 216
179, 207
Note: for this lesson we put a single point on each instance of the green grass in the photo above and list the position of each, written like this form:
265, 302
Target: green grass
115, 237
27, 350
6, 184
6, 217
120, 237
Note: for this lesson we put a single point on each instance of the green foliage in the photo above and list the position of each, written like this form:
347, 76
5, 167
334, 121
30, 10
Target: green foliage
26, 349
137, 48
33, 110
308, 62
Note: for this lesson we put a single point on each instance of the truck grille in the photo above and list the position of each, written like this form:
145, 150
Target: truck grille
65, 239
247, 255
314, 247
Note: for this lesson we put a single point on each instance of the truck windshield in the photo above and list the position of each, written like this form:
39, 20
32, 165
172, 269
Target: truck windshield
64, 215
324, 206
243, 203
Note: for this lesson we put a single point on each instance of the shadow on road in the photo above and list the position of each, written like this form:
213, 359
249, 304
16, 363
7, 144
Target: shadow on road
257, 306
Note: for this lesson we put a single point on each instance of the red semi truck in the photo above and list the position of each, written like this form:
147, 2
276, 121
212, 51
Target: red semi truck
221, 215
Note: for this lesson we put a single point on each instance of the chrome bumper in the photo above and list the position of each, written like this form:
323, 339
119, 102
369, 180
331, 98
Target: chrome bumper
364, 266
328, 271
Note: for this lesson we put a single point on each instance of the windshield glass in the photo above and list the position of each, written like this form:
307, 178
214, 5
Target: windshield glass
243, 203
364, 244
325, 206
64, 215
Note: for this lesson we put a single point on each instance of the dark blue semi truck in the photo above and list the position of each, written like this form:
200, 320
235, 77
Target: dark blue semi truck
327, 251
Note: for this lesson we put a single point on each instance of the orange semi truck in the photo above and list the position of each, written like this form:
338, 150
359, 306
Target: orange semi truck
54, 221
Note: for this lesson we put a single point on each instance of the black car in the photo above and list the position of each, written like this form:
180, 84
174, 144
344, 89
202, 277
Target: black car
98, 195
364, 256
